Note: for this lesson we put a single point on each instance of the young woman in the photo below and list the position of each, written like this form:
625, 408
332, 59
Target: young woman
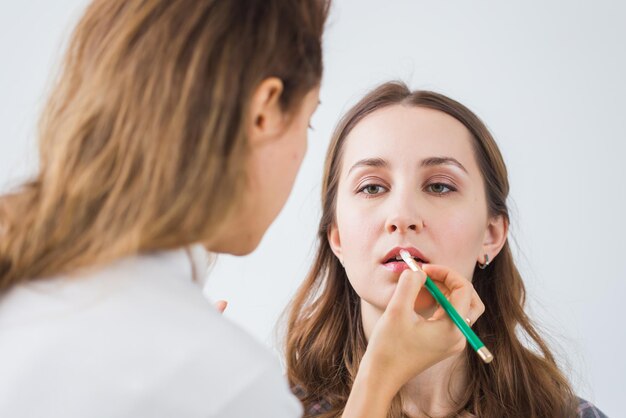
419, 171
176, 126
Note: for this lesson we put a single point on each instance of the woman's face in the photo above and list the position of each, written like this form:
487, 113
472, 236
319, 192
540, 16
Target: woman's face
408, 179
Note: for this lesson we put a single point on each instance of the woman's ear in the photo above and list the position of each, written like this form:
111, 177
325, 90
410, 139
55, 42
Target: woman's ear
334, 240
495, 236
266, 117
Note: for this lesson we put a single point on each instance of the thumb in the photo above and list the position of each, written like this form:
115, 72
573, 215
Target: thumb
220, 305
409, 285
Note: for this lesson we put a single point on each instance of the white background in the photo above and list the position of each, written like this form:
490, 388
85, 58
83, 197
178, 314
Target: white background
546, 77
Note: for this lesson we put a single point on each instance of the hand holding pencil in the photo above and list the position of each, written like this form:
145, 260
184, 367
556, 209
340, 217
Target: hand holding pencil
463, 323
403, 344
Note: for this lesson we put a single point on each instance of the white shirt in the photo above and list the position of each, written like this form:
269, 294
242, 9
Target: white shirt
136, 338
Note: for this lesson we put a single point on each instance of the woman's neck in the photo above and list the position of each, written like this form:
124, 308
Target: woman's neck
432, 392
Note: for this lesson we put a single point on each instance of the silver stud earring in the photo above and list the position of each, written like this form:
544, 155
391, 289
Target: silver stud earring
484, 266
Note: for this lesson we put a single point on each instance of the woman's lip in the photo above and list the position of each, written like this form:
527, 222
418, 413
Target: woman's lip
397, 266
415, 253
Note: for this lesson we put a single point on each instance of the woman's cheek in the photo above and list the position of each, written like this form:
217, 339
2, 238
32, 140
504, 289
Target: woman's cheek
358, 235
462, 239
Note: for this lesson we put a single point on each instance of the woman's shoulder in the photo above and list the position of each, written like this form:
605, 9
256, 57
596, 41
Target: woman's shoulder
585, 408
588, 410
149, 335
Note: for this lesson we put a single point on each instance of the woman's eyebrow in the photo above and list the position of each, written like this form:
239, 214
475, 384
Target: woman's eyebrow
433, 161
369, 162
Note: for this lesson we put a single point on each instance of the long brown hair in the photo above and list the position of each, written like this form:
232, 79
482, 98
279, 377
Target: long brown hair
325, 340
142, 143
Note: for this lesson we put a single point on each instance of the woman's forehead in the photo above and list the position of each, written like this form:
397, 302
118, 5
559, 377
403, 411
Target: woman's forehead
408, 134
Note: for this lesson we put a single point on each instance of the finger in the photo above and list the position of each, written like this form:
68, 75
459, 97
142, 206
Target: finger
477, 308
461, 291
438, 314
221, 305
445, 276
409, 285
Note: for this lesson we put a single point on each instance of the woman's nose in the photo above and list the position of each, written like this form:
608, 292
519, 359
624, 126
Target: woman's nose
404, 217
403, 224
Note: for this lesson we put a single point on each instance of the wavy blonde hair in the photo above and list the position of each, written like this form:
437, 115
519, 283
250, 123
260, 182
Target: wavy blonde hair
325, 340
142, 143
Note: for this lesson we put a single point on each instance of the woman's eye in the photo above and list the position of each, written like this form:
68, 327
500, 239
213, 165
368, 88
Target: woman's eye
372, 189
439, 188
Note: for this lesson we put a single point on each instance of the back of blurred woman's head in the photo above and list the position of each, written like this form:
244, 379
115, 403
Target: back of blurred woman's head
142, 143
